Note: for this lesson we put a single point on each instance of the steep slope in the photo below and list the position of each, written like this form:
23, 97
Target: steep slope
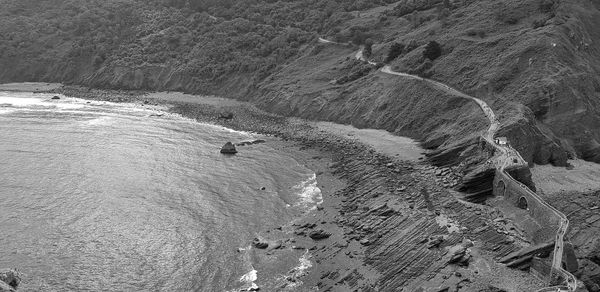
534, 61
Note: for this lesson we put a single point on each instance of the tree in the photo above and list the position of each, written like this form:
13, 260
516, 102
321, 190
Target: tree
395, 50
368, 48
432, 50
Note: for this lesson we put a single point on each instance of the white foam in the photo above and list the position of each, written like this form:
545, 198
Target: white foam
310, 195
38, 103
305, 263
6, 111
249, 277
299, 270
101, 121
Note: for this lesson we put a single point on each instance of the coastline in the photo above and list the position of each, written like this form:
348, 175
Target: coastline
380, 213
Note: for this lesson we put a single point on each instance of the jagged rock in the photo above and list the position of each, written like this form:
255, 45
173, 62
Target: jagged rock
319, 234
228, 148
9, 280
309, 225
5, 287
460, 256
435, 241
259, 243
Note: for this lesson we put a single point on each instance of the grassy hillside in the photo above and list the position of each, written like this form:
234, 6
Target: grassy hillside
534, 61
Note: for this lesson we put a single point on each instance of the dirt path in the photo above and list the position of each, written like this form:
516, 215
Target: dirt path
507, 158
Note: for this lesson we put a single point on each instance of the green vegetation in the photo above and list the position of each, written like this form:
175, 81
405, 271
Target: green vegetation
395, 50
203, 40
432, 50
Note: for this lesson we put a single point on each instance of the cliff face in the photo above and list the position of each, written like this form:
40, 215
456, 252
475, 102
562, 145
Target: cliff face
535, 62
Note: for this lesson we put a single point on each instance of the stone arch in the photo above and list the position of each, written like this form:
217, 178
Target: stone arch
523, 204
501, 187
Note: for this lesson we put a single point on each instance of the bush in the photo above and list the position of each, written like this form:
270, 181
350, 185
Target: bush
432, 50
395, 50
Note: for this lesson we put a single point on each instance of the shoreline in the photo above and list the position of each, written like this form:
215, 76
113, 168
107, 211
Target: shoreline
384, 223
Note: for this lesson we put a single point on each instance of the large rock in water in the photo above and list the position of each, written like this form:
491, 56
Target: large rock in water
228, 148
9, 280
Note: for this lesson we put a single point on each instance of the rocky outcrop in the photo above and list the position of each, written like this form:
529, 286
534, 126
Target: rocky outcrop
9, 280
319, 234
534, 145
260, 243
228, 148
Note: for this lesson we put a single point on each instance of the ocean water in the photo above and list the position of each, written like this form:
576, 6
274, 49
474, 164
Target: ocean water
97, 196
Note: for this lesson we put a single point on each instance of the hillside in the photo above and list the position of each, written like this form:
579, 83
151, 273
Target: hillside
535, 62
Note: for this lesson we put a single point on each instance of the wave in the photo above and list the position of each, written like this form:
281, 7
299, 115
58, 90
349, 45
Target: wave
26, 102
250, 277
6, 111
101, 121
292, 279
310, 195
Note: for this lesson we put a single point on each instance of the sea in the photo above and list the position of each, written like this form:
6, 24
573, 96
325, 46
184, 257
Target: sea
100, 196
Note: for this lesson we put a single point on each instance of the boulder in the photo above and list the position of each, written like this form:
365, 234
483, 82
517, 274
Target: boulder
9, 280
56, 97
6, 288
460, 256
319, 234
259, 243
228, 148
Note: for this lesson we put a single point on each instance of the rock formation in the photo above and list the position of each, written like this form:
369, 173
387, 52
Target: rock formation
228, 148
9, 280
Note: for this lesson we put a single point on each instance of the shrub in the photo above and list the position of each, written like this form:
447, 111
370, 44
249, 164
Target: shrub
395, 50
432, 50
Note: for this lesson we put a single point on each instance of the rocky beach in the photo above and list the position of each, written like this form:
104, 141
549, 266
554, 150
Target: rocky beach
386, 220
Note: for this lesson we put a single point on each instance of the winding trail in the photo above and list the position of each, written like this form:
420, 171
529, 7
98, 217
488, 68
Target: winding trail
508, 157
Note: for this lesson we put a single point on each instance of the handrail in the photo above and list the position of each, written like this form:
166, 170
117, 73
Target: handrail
571, 281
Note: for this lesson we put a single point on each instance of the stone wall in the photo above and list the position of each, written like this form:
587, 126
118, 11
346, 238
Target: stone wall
517, 193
